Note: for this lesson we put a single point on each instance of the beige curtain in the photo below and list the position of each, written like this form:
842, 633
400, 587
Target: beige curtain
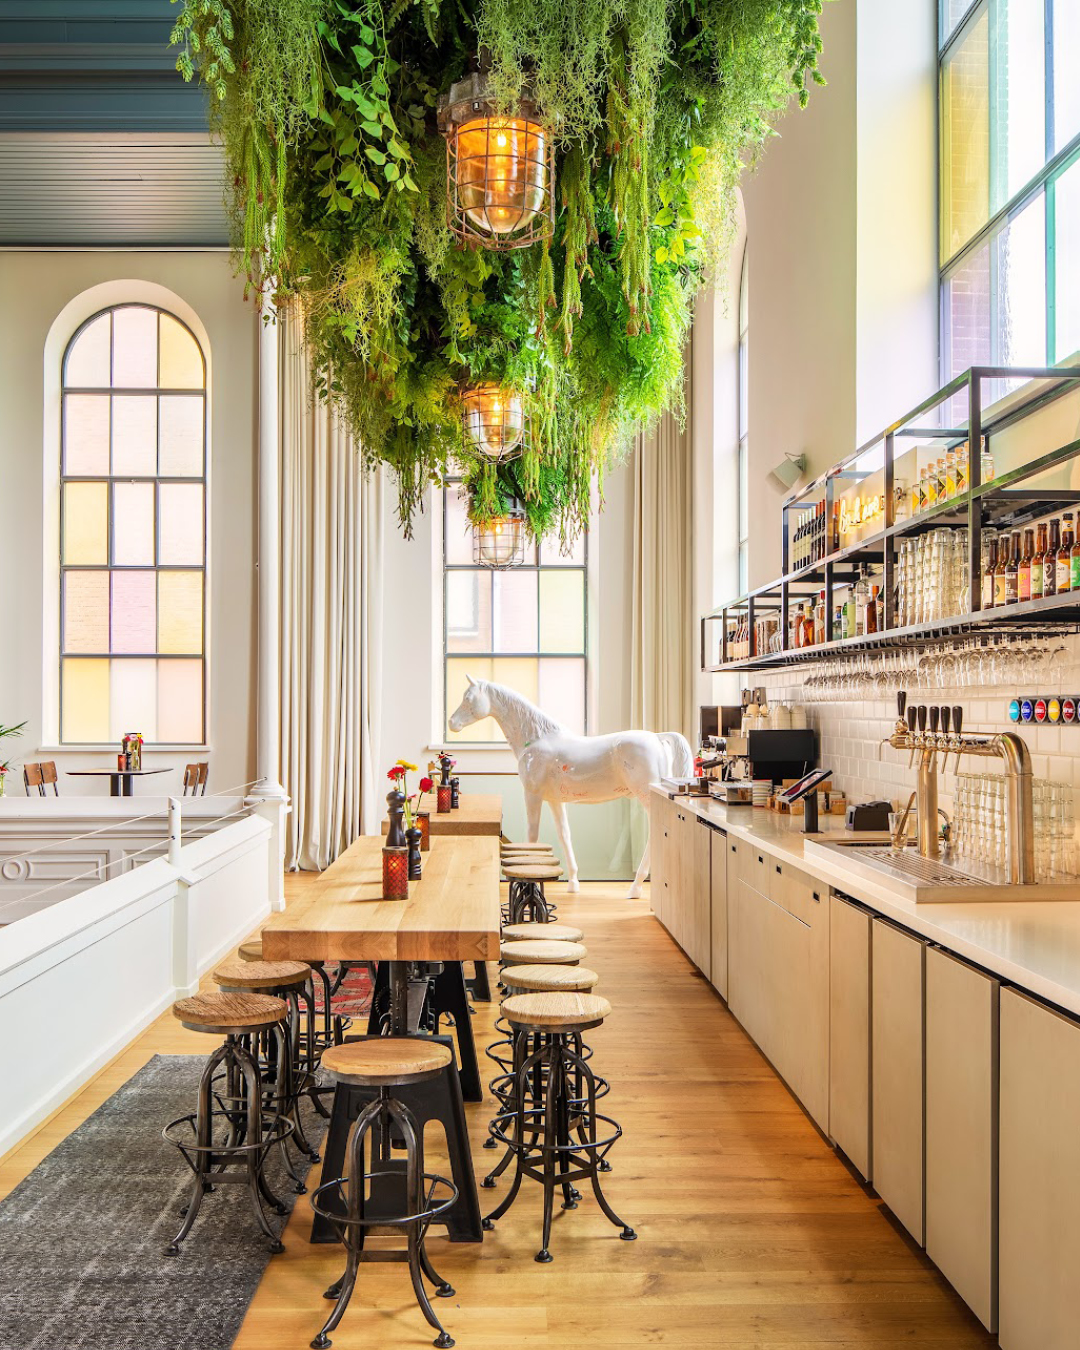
330, 540
662, 635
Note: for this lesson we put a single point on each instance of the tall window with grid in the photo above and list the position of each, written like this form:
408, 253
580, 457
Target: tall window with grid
133, 530
1010, 182
743, 397
524, 627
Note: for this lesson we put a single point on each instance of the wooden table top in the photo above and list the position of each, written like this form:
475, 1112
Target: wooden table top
452, 914
479, 813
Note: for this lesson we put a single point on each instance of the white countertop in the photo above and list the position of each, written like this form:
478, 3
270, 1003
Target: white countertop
1034, 944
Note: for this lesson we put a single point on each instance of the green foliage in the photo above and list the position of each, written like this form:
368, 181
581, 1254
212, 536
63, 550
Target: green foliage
327, 111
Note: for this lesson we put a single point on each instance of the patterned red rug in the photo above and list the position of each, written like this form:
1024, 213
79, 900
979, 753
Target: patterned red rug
353, 998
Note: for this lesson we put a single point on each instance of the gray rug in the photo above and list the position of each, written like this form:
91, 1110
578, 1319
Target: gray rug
82, 1239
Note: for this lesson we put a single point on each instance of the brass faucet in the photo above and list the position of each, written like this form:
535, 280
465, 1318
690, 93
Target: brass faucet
1007, 746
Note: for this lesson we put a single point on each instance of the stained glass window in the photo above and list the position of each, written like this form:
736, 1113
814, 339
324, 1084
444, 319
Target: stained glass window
525, 627
133, 531
1010, 150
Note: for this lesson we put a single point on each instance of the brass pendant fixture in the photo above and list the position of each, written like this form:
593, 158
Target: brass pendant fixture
500, 542
493, 419
500, 175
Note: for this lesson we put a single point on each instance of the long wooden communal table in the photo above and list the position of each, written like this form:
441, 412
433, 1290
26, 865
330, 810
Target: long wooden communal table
478, 813
451, 915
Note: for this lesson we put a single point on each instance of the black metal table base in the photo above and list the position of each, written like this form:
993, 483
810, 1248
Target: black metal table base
445, 996
438, 1099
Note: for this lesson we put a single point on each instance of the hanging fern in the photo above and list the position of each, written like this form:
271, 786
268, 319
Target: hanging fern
337, 187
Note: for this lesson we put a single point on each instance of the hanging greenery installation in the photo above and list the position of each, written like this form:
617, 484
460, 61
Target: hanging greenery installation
328, 112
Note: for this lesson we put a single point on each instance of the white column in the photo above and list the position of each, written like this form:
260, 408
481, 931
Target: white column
268, 724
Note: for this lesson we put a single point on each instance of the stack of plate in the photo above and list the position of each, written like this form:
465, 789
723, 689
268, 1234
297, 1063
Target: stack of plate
762, 791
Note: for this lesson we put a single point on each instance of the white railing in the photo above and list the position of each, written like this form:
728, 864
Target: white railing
81, 977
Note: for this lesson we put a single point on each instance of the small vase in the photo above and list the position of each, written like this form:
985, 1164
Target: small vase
395, 873
444, 794
413, 836
423, 822
3, 784
455, 793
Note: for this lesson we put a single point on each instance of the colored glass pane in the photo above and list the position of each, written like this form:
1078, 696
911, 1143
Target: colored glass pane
965, 137
180, 702
181, 360
1067, 262
85, 524
133, 612
133, 524
134, 436
86, 435
84, 706
134, 348
133, 701
180, 524
515, 609
181, 454
87, 364
180, 612
562, 691
562, 611
86, 611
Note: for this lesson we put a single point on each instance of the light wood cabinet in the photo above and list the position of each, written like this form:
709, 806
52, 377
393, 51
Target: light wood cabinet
961, 1128
658, 853
681, 877
697, 889
1039, 1177
849, 1031
720, 851
897, 1072
778, 973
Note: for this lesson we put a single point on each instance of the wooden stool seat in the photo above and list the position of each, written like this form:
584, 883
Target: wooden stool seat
544, 953
533, 871
528, 860
251, 951
262, 974
508, 846
228, 1012
384, 1061
545, 979
554, 1011
552, 932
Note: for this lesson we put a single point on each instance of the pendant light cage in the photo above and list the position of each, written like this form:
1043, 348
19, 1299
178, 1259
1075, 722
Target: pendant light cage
499, 543
494, 422
500, 170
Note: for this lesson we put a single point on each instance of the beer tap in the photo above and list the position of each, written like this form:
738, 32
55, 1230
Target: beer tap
912, 713
935, 713
946, 722
958, 722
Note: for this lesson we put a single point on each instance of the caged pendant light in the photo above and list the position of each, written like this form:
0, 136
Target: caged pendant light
493, 419
499, 543
499, 169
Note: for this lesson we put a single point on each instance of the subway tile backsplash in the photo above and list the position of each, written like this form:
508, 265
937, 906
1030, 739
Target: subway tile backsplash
850, 731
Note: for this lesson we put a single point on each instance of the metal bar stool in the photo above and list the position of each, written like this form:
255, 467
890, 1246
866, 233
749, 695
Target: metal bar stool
385, 1062
556, 1143
293, 1072
238, 1156
526, 900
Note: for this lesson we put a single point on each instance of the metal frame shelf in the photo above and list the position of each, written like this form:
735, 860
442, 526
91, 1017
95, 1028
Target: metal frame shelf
1003, 502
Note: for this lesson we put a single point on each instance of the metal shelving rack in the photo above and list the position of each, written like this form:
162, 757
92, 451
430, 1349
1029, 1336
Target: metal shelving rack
1008, 500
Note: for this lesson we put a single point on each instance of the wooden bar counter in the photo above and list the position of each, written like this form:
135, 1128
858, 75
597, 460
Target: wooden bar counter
452, 914
479, 813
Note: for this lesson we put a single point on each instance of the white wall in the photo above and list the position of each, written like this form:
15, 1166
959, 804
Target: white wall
35, 287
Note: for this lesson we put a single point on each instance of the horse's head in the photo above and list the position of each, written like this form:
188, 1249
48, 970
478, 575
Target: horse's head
475, 705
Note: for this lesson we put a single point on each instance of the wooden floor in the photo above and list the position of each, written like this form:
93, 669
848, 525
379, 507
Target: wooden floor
753, 1235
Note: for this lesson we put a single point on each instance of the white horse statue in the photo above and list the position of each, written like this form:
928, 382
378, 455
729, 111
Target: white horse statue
557, 767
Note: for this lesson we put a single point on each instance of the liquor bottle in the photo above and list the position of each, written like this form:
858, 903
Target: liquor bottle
835, 542
1063, 569
1038, 562
1074, 564
1023, 576
962, 469
862, 595
838, 623
870, 622
922, 491
819, 619
950, 474
940, 481
849, 613
1012, 570
1004, 554
986, 463
1050, 558
988, 572
931, 485
879, 616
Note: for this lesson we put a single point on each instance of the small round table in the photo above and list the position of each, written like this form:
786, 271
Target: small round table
122, 784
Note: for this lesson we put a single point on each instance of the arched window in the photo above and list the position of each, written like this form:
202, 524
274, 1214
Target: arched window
133, 530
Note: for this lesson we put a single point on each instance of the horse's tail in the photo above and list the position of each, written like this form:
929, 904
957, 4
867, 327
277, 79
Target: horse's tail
682, 757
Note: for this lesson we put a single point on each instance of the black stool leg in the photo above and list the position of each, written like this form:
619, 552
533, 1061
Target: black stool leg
479, 986
449, 996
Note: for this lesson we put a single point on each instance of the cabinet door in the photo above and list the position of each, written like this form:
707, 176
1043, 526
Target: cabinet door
849, 1031
698, 922
756, 869
961, 1129
800, 947
677, 875
658, 853
750, 964
1039, 1234
897, 1073
720, 848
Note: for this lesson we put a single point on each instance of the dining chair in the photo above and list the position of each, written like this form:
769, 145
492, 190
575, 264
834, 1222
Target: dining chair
195, 776
32, 779
48, 777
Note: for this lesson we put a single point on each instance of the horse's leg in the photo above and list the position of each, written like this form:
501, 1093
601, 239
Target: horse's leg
534, 804
562, 827
634, 893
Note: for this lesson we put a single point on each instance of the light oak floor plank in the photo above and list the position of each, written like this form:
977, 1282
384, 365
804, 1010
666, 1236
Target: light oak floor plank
753, 1234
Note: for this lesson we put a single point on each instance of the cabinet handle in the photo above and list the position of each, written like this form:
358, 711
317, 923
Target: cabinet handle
734, 848
778, 872
761, 860
816, 897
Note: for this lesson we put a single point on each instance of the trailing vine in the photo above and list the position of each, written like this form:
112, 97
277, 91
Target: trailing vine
337, 185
